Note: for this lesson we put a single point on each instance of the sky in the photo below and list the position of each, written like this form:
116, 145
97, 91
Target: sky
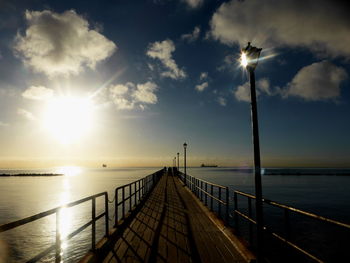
126, 83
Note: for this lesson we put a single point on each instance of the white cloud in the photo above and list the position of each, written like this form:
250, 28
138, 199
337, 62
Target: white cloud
3, 124
321, 26
203, 76
56, 43
318, 81
128, 96
145, 93
37, 93
191, 37
26, 114
193, 3
242, 92
202, 86
163, 51
222, 101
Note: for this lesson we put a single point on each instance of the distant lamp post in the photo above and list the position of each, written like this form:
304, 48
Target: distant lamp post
185, 146
249, 59
178, 159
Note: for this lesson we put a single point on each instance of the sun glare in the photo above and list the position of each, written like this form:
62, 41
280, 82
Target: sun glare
244, 59
68, 119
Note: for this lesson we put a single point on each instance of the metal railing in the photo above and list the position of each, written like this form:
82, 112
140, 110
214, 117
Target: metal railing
135, 192
215, 196
287, 210
131, 194
57, 246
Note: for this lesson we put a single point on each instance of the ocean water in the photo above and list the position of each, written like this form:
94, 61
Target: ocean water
20, 197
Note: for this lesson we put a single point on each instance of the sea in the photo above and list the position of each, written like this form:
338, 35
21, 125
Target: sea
319, 191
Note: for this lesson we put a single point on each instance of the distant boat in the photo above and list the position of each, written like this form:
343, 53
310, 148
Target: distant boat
208, 165
104, 165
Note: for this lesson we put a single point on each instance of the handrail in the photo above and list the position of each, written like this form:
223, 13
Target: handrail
58, 241
137, 188
136, 191
287, 209
296, 210
205, 190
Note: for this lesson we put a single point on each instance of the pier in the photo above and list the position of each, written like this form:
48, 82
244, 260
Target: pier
169, 216
172, 226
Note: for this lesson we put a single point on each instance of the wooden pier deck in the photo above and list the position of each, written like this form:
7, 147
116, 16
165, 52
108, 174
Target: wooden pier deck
173, 226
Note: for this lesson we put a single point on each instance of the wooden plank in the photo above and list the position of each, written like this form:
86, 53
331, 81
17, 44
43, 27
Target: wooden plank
185, 233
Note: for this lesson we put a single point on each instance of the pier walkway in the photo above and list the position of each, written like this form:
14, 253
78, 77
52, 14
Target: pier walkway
173, 226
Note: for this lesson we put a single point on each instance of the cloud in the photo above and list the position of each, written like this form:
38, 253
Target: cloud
191, 37
26, 114
193, 3
3, 124
321, 26
222, 101
57, 44
37, 93
163, 51
145, 93
318, 81
128, 96
202, 86
203, 76
242, 92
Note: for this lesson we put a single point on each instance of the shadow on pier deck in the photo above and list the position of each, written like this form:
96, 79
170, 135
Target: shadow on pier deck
172, 225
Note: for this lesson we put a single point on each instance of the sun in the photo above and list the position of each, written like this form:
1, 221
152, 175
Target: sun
68, 119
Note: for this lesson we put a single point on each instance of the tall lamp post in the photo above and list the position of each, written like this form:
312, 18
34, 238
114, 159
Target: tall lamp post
249, 59
178, 159
185, 146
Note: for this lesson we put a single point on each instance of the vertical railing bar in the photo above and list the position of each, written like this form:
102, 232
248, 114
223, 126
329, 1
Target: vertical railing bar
123, 202
201, 190
130, 197
139, 184
116, 208
227, 206
235, 201
106, 215
211, 197
58, 237
250, 223
93, 226
220, 216
206, 193
287, 224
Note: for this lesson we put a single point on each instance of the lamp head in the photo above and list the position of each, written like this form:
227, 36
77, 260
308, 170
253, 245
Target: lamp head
250, 56
185, 145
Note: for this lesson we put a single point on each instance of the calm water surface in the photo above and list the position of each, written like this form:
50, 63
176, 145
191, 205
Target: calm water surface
24, 196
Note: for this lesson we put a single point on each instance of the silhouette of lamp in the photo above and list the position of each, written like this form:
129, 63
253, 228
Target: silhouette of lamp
249, 59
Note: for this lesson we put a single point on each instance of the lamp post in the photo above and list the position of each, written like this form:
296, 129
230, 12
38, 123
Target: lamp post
249, 59
185, 146
178, 159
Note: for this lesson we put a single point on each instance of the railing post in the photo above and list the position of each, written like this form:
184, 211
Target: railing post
235, 202
220, 202
287, 223
93, 225
123, 203
250, 223
202, 191
206, 193
227, 206
211, 197
116, 208
106, 215
58, 237
130, 197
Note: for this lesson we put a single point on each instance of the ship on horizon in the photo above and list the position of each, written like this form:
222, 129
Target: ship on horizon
208, 165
